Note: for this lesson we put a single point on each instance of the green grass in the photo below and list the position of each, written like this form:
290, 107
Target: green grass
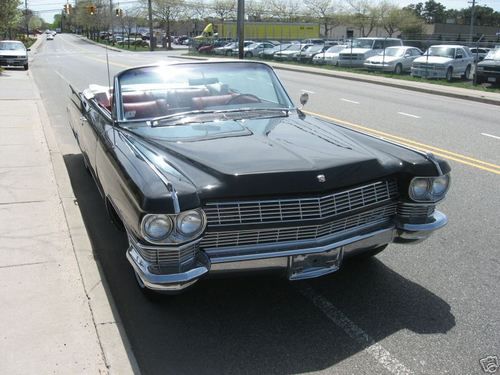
404, 77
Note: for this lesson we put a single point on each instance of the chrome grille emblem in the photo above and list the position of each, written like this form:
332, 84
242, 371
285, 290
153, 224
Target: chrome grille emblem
321, 178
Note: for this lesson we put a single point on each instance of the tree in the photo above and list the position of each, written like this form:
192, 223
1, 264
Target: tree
434, 12
9, 16
223, 10
324, 11
167, 11
364, 16
287, 10
404, 21
255, 10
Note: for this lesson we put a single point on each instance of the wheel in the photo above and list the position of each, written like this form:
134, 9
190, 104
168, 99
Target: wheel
467, 72
449, 74
228, 53
25, 66
248, 54
398, 69
240, 99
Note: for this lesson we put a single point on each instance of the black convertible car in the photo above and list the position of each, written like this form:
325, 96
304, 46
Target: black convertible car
209, 167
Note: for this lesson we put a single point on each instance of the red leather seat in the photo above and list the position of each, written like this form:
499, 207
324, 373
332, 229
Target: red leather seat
201, 102
143, 110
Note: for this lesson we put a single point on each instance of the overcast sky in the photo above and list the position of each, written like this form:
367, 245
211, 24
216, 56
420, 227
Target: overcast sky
47, 8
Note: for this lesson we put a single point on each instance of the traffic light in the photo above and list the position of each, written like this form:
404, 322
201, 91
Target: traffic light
70, 8
118, 12
66, 9
92, 9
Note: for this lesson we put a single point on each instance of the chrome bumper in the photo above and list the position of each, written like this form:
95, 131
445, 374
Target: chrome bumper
297, 258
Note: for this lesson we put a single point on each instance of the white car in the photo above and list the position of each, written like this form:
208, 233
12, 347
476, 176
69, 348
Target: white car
13, 53
231, 48
290, 53
479, 53
393, 59
363, 48
254, 48
50, 37
330, 56
444, 61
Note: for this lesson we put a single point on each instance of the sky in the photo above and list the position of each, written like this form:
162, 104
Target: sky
48, 8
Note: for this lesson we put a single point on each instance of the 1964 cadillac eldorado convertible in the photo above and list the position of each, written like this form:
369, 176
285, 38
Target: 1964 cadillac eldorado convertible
209, 167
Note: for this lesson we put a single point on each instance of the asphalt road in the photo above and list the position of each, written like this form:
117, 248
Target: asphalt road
431, 308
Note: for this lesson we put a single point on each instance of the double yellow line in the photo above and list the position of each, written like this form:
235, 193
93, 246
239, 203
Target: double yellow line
476, 163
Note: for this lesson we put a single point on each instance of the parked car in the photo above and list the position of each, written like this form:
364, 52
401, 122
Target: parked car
488, 70
209, 167
330, 56
363, 48
231, 48
290, 53
393, 59
13, 53
444, 61
253, 49
479, 53
306, 55
50, 37
268, 53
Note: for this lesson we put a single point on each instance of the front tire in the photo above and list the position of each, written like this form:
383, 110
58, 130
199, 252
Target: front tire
249, 54
467, 72
398, 69
25, 66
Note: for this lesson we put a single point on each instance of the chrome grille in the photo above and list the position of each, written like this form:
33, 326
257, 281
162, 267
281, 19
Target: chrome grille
167, 257
414, 211
299, 209
375, 216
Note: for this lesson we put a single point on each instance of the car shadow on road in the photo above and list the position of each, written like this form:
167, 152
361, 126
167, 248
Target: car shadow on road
252, 324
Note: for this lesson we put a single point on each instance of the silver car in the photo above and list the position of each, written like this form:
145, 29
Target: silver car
393, 59
13, 53
254, 48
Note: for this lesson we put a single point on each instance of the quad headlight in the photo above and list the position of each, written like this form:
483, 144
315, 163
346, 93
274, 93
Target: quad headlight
429, 189
163, 229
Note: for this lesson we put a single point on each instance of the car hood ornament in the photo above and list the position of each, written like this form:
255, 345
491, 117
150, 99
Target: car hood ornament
321, 178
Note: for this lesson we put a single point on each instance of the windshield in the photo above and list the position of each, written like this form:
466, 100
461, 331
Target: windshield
493, 55
12, 46
441, 51
201, 89
315, 48
362, 43
396, 52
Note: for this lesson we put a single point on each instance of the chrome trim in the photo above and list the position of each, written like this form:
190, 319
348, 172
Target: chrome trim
299, 209
436, 221
408, 210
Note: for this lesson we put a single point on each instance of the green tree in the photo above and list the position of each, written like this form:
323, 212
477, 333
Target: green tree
434, 12
167, 11
9, 17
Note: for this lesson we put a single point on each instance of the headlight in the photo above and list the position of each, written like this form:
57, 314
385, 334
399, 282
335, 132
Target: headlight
190, 223
156, 228
480, 68
429, 189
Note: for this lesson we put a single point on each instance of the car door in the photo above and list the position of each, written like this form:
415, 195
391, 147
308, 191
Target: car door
461, 61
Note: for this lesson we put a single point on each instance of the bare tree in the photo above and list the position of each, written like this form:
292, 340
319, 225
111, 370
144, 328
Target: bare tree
286, 10
364, 15
223, 10
325, 11
167, 11
255, 10
197, 11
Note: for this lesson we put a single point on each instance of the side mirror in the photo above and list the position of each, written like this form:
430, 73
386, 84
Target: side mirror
29, 49
304, 98
407, 55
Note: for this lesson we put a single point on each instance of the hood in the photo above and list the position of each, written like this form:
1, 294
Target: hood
17, 52
489, 63
263, 157
355, 50
433, 59
285, 52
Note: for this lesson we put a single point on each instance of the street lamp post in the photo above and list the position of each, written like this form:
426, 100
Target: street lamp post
240, 25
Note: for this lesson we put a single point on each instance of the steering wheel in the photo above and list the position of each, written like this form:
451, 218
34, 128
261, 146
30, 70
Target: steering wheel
244, 98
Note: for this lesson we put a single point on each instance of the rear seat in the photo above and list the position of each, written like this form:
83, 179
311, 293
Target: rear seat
201, 102
140, 110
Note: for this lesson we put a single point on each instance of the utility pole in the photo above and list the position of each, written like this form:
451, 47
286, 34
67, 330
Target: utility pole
151, 37
111, 28
240, 27
26, 18
472, 20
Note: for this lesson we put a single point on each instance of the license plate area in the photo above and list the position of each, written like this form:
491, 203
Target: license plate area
308, 266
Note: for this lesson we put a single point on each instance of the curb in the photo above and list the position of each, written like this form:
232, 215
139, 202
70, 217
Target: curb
116, 349
99, 44
452, 92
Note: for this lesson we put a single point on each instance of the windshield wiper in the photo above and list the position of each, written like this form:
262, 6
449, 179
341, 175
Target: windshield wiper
187, 117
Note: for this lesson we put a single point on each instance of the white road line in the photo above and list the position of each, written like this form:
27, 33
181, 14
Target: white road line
61, 76
373, 348
349, 101
409, 115
308, 91
491, 136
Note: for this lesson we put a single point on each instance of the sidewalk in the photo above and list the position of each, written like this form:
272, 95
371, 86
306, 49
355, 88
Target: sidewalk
55, 314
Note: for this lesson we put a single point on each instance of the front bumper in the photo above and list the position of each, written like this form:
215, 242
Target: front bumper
298, 259
429, 72
379, 67
16, 61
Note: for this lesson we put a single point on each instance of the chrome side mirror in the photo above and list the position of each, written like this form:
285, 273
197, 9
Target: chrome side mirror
304, 98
